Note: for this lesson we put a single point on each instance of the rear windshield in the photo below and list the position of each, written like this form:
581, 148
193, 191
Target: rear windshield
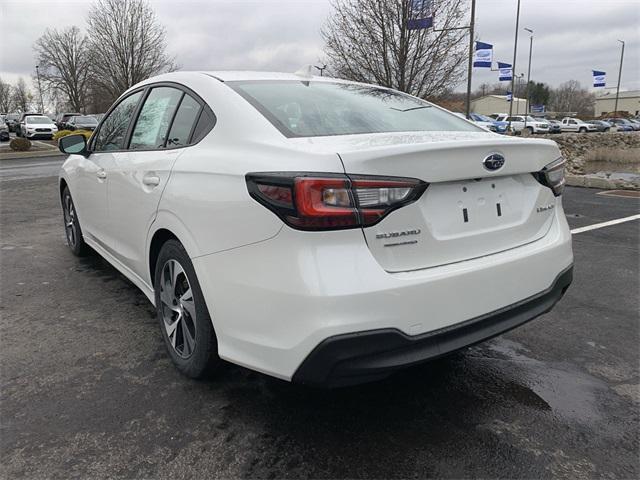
309, 109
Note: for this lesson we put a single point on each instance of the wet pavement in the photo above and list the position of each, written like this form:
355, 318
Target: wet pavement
87, 390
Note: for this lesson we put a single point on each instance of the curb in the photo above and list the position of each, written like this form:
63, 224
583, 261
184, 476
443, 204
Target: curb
19, 155
604, 183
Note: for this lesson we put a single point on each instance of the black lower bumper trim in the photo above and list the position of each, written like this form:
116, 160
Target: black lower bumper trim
359, 357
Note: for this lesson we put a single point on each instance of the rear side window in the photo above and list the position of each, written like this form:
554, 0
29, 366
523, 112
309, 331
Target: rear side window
113, 131
183, 122
154, 119
204, 125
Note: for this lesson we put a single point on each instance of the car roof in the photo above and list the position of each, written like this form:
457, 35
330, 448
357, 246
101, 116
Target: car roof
240, 75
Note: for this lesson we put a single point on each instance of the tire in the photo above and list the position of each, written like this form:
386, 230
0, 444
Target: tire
582, 130
530, 130
183, 316
72, 229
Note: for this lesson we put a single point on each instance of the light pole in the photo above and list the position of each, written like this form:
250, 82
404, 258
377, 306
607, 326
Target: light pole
527, 100
470, 69
513, 66
40, 90
615, 108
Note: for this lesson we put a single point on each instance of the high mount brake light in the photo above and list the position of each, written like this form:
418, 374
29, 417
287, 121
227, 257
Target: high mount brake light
552, 176
310, 201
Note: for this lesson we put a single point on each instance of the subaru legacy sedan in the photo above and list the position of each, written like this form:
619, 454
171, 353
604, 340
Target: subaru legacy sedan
317, 230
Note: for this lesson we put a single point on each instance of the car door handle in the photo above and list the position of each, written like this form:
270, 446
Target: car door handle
101, 174
151, 180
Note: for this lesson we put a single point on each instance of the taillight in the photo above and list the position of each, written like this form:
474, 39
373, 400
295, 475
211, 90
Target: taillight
552, 176
310, 201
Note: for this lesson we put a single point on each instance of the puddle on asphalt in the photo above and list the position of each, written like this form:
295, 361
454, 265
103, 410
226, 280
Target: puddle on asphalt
568, 391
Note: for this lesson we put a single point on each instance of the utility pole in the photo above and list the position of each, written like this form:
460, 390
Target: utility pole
470, 69
527, 99
513, 66
40, 90
615, 109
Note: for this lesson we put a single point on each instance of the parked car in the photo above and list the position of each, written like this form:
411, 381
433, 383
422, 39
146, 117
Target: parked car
622, 124
570, 124
98, 116
62, 119
635, 122
19, 128
601, 125
37, 126
554, 126
82, 122
521, 122
490, 123
289, 223
4, 132
12, 120
481, 121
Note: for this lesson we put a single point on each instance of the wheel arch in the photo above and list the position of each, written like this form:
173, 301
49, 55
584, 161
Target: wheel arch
62, 184
167, 227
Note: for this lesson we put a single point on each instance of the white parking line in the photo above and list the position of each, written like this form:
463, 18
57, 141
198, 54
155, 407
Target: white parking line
605, 224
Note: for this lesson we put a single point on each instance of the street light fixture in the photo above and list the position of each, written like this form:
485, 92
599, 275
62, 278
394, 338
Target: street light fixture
320, 69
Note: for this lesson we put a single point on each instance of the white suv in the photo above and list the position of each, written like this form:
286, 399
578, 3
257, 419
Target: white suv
522, 122
317, 230
37, 126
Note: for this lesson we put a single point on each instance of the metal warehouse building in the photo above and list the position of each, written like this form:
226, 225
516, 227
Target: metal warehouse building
627, 102
497, 104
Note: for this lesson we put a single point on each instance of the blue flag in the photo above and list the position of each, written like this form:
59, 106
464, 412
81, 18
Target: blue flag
483, 56
506, 72
421, 15
599, 78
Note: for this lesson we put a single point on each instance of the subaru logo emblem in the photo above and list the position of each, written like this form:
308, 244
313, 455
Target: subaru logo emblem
493, 162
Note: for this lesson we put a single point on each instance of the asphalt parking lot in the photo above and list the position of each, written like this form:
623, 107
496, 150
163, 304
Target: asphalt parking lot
87, 390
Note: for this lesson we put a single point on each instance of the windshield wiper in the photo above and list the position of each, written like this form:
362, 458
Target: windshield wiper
410, 109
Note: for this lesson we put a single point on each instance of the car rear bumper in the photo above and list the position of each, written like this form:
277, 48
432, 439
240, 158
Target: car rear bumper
281, 298
364, 356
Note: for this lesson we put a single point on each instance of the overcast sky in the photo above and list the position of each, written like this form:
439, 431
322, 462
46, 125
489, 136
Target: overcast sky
572, 37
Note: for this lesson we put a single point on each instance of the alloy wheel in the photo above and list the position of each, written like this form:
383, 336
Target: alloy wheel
70, 221
178, 308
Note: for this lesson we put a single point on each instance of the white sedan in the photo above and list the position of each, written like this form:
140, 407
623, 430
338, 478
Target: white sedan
318, 230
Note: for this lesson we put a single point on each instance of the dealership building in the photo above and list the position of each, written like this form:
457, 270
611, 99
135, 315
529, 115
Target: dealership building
489, 104
627, 102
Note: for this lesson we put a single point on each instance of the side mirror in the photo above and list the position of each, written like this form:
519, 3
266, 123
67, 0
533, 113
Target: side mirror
73, 145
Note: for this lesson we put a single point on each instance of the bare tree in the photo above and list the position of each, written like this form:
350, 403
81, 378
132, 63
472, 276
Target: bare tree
572, 97
127, 45
369, 41
64, 64
22, 96
6, 97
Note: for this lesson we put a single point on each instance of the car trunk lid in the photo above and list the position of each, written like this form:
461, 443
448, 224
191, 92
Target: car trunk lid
467, 211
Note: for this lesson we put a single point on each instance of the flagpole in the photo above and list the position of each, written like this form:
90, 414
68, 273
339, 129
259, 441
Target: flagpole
515, 52
470, 69
615, 108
